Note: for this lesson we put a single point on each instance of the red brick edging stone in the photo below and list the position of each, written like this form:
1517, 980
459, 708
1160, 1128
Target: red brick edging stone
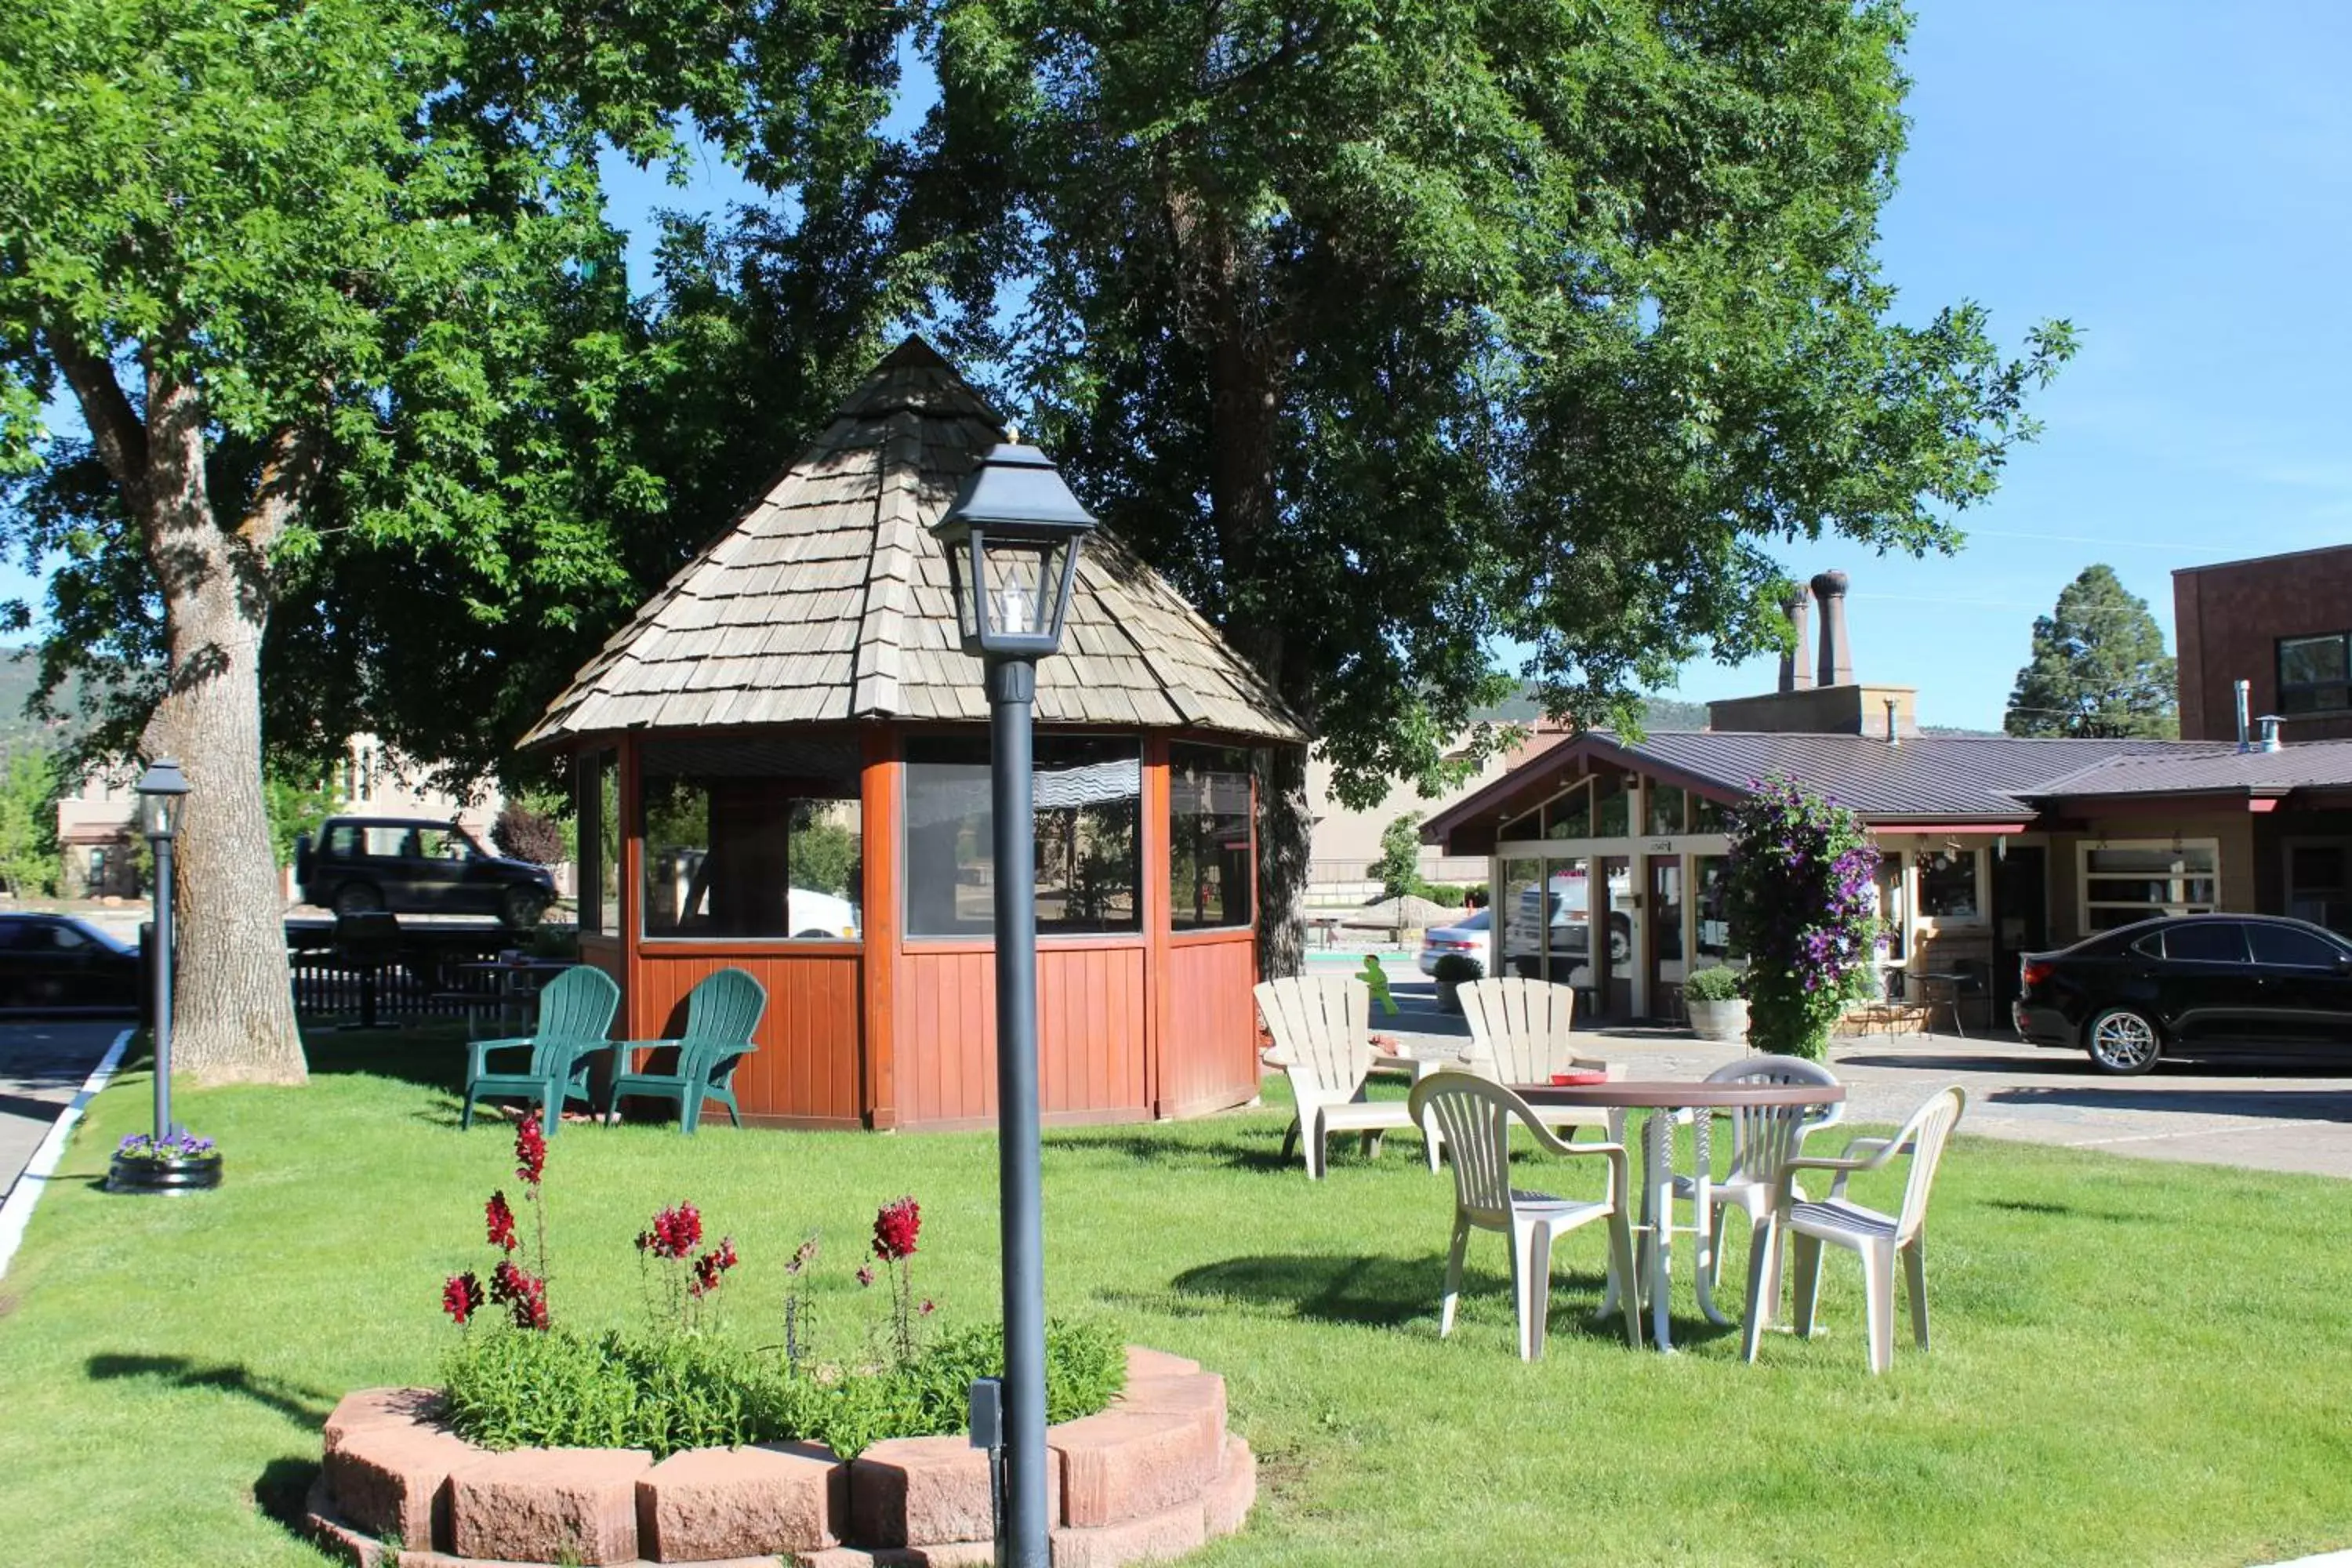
1151, 1477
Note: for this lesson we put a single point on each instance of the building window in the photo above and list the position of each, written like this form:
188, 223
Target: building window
2319, 884
1571, 814
1519, 827
1088, 802
1948, 885
756, 839
2124, 883
1665, 810
1708, 816
1519, 903
1210, 864
1613, 807
1714, 877
2314, 674
1892, 917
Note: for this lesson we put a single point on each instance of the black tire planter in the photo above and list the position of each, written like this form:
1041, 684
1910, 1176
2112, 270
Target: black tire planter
200, 1174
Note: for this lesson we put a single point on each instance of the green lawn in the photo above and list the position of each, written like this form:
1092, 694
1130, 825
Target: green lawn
2136, 1362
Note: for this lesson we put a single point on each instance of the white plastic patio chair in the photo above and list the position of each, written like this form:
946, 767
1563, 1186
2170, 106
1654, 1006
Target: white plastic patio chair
1762, 1138
1323, 1042
1519, 1033
1878, 1239
1475, 1114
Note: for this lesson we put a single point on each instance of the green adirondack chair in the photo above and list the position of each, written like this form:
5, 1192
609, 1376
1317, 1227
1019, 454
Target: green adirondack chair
721, 1011
575, 1014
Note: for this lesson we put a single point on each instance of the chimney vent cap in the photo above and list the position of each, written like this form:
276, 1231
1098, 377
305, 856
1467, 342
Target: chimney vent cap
1830, 584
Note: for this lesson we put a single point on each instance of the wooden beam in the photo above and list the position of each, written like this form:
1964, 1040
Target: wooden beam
1158, 912
881, 850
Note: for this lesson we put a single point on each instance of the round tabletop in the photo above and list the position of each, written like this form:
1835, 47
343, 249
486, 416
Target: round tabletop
1670, 1095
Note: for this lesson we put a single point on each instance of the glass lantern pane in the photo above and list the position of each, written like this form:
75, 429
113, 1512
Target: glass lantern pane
1023, 579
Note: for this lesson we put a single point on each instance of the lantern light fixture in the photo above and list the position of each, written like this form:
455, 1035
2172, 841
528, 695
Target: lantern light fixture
1012, 535
161, 790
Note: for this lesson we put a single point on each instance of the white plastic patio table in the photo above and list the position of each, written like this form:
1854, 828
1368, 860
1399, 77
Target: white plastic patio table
1667, 1101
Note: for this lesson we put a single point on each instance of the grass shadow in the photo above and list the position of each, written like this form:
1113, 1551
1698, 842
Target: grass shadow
282, 1493
306, 1407
1367, 1290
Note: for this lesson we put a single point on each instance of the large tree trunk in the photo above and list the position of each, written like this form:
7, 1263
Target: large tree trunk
233, 1012
1222, 277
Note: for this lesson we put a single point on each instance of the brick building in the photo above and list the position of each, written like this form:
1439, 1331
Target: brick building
2284, 625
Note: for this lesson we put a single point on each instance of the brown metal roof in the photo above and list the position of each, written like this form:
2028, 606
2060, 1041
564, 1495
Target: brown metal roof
1929, 778
828, 601
2209, 770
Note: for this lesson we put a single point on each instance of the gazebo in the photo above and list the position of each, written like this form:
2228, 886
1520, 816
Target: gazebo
782, 765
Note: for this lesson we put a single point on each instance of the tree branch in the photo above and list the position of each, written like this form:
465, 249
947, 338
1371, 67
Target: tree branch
114, 424
295, 457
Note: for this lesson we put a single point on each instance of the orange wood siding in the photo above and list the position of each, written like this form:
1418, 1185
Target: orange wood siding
880, 854
806, 1070
1090, 1028
1208, 1057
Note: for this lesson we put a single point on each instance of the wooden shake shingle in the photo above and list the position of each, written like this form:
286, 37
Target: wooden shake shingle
828, 601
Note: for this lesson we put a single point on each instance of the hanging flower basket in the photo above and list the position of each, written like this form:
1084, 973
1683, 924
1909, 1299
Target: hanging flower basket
182, 1162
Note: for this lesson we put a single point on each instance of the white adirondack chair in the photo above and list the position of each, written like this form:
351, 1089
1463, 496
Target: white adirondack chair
1878, 1239
1762, 1138
1323, 1041
1474, 1114
1519, 1033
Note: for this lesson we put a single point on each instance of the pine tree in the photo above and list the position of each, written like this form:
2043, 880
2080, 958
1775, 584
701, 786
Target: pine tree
2099, 668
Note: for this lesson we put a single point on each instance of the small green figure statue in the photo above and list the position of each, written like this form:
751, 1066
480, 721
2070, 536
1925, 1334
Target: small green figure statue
1377, 979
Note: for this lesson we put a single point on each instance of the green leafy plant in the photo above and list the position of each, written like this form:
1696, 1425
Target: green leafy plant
1715, 984
1457, 968
1801, 903
665, 1392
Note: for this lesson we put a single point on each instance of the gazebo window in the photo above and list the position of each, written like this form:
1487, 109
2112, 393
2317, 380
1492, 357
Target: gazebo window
1209, 863
751, 839
596, 785
1089, 803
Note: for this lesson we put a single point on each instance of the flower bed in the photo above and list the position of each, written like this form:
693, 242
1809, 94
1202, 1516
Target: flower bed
1154, 1475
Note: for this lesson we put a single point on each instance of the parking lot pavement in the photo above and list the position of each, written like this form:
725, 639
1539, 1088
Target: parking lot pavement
42, 1065
2271, 1115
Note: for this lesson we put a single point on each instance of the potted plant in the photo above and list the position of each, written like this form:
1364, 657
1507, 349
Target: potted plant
1717, 1010
1802, 902
1452, 970
180, 1163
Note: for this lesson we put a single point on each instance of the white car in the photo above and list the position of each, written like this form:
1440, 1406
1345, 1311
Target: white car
812, 914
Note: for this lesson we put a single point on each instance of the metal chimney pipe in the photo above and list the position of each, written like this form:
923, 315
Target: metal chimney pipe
2245, 707
1796, 669
1894, 736
2271, 741
1837, 659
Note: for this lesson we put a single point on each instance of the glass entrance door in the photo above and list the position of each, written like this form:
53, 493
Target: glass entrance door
1615, 950
1667, 966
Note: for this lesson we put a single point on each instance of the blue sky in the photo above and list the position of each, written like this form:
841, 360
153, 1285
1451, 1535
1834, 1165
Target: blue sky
2174, 178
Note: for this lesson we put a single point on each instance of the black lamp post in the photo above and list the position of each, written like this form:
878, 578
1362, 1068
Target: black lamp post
161, 789
1013, 536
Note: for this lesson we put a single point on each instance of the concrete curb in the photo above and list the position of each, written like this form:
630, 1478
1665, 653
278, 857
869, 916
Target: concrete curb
17, 1212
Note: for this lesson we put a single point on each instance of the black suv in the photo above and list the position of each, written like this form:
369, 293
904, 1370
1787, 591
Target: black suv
412, 866
2191, 985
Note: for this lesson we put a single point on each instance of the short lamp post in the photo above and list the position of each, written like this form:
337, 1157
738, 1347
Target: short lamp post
161, 790
1012, 535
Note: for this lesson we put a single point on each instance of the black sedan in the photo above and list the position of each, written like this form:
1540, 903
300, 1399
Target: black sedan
55, 964
2191, 986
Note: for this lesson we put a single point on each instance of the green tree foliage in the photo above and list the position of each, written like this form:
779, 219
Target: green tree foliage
1394, 330
1398, 870
29, 859
296, 809
2099, 668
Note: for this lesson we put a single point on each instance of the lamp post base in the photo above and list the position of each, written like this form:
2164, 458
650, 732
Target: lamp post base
200, 1174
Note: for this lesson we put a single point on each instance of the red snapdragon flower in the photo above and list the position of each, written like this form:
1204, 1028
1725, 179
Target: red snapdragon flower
712, 1265
865, 1274
523, 1294
461, 1297
896, 1226
676, 1233
501, 1221
531, 1150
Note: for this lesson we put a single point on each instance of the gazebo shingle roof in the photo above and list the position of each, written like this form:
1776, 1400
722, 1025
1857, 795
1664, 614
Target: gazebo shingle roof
828, 601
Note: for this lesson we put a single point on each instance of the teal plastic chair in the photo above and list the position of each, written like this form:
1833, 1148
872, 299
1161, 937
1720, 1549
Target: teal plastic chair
575, 1015
721, 1013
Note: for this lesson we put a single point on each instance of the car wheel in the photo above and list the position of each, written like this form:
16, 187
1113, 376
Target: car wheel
522, 907
2122, 1041
357, 899
1621, 944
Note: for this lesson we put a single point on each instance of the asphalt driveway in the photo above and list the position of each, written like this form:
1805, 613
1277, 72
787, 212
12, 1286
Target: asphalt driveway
42, 1065
2277, 1115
